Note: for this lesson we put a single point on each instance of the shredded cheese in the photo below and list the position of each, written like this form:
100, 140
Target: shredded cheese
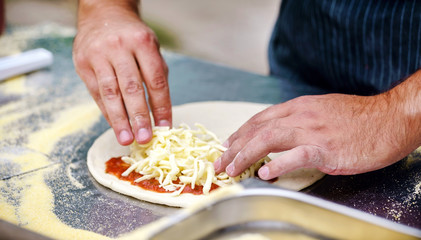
181, 156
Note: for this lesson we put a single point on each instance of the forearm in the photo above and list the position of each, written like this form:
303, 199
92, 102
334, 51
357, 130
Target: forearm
405, 105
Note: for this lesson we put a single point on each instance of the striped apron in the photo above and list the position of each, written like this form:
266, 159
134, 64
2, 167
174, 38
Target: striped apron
347, 46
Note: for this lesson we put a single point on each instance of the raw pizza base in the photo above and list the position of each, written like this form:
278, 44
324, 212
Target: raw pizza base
222, 118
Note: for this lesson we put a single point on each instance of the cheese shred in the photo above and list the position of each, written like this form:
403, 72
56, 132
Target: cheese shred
181, 156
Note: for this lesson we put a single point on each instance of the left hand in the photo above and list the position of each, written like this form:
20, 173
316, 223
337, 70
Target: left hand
335, 133
117, 56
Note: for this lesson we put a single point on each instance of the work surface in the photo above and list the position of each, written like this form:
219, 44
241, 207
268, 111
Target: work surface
48, 121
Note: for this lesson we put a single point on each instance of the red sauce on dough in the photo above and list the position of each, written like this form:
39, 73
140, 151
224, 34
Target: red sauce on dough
116, 167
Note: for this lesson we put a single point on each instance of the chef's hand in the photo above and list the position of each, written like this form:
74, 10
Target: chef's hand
117, 55
335, 133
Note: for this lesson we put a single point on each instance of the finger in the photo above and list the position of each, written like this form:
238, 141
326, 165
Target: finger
155, 74
112, 100
88, 77
233, 149
257, 121
247, 157
240, 141
298, 157
131, 86
247, 150
85, 71
222, 162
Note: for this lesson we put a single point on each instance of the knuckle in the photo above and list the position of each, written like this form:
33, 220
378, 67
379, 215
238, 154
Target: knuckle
118, 120
309, 115
303, 99
133, 86
141, 115
144, 37
288, 134
311, 120
297, 101
122, 66
140, 118
255, 119
159, 82
162, 111
80, 60
250, 130
113, 41
311, 155
96, 47
266, 135
302, 103
306, 154
110, 92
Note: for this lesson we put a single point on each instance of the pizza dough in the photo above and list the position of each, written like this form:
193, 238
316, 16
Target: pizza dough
222, 118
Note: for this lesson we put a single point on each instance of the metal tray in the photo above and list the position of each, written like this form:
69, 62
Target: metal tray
273, 213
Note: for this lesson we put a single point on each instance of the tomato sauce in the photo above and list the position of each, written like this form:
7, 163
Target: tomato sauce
116, 167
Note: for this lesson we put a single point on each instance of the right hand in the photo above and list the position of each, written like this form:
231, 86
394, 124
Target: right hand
338, 134
116, 54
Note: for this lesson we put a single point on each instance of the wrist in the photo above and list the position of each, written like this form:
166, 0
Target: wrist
405, 111
97, 10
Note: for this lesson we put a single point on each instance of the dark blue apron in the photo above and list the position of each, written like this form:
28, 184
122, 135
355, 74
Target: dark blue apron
348, 46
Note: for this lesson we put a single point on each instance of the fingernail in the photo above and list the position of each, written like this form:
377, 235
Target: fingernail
264, 173
217, 164
164, 123
226, 144
125, 136
230, 169
143, 135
